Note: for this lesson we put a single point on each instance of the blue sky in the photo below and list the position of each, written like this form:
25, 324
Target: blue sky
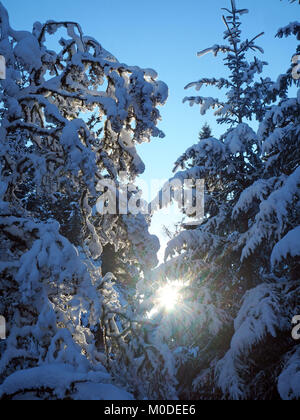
166, 35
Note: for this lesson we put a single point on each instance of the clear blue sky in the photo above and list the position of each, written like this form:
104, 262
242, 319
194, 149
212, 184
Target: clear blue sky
166, 35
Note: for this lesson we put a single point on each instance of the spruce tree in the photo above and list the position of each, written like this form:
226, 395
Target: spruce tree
241, 265
245, 93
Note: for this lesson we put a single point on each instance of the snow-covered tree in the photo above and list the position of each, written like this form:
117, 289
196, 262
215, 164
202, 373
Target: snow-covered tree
70, 122
245, 97
272, 238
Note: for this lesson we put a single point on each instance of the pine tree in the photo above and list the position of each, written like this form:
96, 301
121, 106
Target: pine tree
246, 97
241, 264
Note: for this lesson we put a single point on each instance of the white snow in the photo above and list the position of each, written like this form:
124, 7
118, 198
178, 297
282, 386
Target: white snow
61, 378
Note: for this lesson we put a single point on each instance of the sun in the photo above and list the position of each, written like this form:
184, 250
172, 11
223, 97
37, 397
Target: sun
168, 296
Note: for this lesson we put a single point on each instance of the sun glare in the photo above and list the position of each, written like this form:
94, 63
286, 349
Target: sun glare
169, 295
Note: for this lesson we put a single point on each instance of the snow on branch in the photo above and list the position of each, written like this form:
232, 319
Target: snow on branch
275, 207
289, 245
291, 29
215, 49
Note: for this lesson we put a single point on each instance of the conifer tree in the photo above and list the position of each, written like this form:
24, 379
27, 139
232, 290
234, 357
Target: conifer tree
241, 265
205, 132
245, 96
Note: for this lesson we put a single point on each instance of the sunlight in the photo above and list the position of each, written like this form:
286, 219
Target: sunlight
169, 295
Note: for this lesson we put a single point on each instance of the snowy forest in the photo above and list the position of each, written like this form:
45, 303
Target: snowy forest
87, 312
